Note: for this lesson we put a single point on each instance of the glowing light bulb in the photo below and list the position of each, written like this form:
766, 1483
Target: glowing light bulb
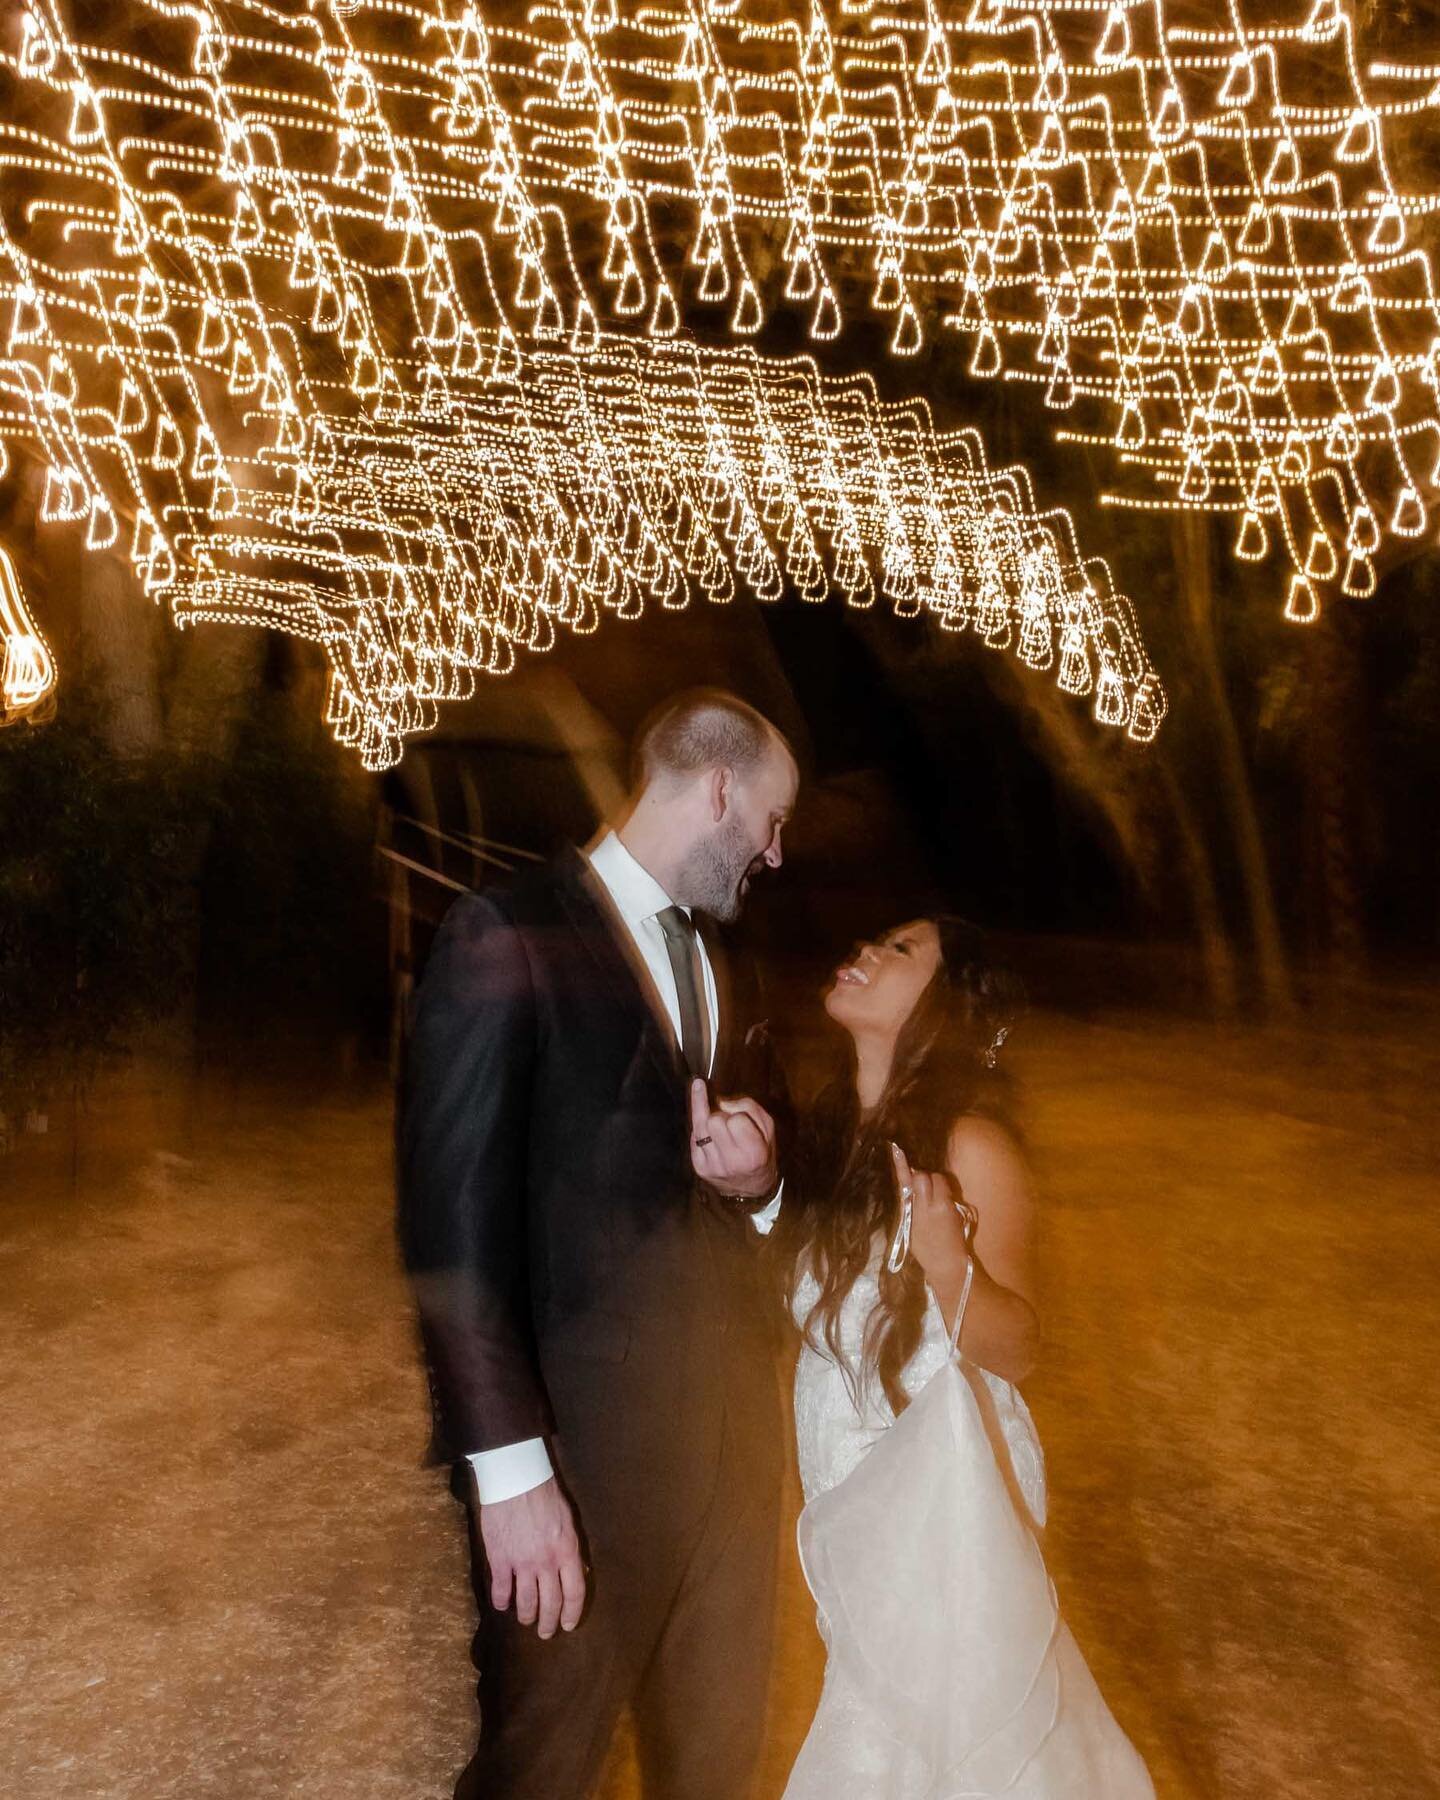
27, 668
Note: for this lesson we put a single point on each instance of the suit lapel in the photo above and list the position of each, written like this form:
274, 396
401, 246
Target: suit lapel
600, 928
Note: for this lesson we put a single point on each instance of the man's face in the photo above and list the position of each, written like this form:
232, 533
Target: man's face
717, 874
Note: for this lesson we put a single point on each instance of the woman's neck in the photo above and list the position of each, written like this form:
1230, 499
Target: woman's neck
873, 1056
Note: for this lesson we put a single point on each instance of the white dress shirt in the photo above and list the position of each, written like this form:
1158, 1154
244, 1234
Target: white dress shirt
638, 898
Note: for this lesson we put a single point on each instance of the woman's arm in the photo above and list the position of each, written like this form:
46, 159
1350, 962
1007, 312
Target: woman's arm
984, 1165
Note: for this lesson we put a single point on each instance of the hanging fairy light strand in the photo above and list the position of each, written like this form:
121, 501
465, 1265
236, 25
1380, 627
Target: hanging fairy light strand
27, 668
1186, 234
266, 344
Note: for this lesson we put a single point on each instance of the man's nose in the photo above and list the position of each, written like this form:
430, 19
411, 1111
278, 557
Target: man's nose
773, 856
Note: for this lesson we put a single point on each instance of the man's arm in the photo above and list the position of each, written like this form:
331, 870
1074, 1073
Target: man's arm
764, 1220
763, 1077
732, 1146
465, 1127
463, 1140
510, 1470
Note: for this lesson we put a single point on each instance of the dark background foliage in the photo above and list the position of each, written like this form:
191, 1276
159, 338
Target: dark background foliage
91, 899
218, 904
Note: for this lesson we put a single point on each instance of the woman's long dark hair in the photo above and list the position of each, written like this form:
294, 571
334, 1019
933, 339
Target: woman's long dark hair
946, 1065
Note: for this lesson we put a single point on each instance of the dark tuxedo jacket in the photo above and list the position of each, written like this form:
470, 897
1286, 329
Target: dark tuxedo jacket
573, 1277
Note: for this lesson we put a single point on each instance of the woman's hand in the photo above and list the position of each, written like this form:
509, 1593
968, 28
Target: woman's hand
986, 1177
939, 1238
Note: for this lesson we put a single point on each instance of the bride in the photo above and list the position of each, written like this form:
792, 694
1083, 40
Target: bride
907, 1241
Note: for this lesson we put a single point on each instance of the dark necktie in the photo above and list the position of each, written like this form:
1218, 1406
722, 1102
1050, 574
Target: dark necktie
684, 951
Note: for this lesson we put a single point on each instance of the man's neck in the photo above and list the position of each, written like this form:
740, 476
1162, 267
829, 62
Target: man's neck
645, 836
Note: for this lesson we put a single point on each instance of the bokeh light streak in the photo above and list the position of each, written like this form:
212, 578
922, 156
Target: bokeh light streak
289, 327
1187, 236
27, 669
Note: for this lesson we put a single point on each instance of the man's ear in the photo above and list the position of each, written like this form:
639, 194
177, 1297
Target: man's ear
722, 792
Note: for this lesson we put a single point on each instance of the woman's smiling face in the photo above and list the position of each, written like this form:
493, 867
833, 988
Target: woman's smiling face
874, 993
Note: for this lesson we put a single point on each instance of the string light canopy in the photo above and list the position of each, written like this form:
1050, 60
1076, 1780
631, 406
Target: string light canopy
293, 324
1179, 223
27, 669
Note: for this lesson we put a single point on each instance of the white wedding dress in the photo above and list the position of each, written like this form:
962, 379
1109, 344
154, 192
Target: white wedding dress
950, 1673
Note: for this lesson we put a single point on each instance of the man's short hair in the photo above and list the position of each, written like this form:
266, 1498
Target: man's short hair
703, 728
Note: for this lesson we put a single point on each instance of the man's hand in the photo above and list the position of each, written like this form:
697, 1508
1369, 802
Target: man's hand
732, 1145
534, 1553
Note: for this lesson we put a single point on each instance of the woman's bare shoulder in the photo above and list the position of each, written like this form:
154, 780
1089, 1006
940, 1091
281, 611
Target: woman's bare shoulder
985, 1152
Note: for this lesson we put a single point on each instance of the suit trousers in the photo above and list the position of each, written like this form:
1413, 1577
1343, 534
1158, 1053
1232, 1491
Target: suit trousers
677, 1628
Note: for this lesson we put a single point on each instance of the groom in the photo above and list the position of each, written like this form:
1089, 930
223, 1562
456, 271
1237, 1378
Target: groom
579, 1219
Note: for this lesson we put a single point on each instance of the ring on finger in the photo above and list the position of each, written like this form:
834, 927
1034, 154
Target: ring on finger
700, 1143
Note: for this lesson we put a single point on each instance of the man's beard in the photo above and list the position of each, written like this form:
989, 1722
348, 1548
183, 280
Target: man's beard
711, 875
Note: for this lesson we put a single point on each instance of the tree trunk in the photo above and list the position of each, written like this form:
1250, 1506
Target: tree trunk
121, 643
1194, 564
211, 685
1217, 953
1331, 737
1095, 771
214, 678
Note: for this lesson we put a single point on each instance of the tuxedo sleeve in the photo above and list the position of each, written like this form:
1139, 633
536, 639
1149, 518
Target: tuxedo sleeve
464, 1131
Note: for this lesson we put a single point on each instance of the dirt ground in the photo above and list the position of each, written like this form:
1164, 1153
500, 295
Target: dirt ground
224, 1572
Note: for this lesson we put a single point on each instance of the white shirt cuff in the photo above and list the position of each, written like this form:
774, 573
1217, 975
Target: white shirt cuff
764, 1220
512, 1469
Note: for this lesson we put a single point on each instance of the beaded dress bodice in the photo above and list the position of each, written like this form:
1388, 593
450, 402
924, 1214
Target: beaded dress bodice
838, 1419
